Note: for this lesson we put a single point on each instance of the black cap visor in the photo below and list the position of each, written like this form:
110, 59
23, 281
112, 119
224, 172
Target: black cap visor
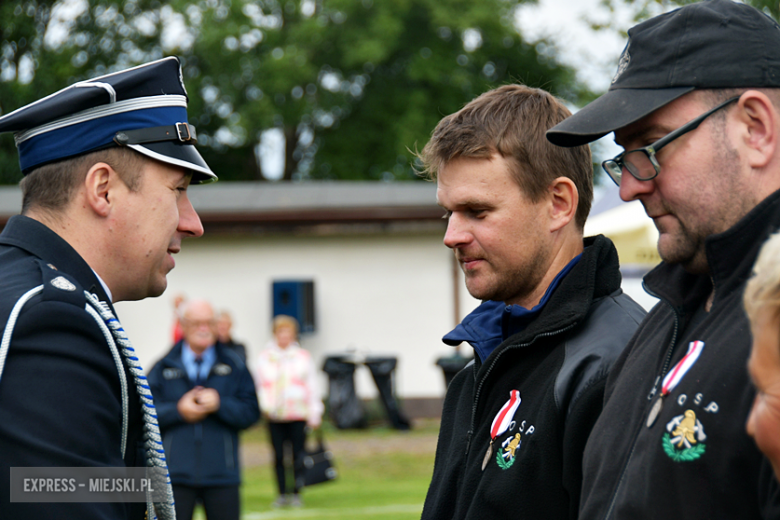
178, 154
612, 111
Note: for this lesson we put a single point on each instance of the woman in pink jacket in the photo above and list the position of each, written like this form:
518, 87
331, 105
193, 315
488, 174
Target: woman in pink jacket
289, 401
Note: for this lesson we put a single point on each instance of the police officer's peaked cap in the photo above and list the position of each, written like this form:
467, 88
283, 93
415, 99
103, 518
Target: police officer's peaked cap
143, 108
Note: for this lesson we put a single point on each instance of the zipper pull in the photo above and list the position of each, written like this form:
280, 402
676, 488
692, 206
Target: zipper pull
655, 388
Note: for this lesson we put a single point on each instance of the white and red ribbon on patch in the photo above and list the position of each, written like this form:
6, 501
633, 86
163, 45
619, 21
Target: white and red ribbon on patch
682, 367
505, 415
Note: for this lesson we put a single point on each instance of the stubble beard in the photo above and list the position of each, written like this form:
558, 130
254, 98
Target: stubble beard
687, 245
508, 285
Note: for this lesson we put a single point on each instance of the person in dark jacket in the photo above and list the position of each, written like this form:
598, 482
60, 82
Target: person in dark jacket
102, 215
205, 395
225, 336
553, 317
696, 105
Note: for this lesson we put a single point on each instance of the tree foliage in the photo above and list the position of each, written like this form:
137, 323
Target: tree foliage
352, 85
644, 9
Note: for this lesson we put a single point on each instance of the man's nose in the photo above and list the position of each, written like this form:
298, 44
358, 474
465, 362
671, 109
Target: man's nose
189, 221
457, 233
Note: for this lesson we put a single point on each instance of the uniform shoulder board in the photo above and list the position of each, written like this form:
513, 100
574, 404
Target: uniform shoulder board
172, 373
222, 369
60, 286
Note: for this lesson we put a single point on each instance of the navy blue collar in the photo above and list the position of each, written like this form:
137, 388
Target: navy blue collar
487, 326
38, 240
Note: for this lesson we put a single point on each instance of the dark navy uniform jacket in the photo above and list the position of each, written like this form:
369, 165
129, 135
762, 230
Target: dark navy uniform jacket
60, 393
204, 454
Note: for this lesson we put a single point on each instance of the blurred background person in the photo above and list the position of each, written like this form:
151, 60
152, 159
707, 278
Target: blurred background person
287, 387
224, 337
204, 395
178, 305
762, 304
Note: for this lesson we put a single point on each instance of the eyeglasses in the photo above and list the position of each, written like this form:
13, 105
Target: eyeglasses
642, 162
198, 323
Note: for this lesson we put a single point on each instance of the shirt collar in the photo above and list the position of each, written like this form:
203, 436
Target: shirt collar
105, 287
188, 356
492, 322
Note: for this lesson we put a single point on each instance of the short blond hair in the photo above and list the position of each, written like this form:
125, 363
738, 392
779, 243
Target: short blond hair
282, 320
762, 292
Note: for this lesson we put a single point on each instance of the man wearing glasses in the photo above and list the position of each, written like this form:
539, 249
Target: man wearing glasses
695, 105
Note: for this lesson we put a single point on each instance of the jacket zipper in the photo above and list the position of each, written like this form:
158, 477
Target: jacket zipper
490, 369
664, 369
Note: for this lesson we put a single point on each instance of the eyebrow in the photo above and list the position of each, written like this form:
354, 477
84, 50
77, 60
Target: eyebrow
468, 203
642, 134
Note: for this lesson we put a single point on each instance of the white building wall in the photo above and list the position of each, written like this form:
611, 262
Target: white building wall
378, 294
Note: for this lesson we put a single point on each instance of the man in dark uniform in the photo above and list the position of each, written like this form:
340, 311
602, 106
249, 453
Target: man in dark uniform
695, 104
106, 166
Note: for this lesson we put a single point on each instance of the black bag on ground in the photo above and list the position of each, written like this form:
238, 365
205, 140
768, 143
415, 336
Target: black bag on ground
317, 464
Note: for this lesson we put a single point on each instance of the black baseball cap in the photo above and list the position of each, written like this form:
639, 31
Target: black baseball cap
143, 108
713, 44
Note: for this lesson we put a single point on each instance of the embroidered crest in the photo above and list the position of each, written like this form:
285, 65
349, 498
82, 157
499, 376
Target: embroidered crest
221, 369
625, 60
63, 284
684, 438
502, 422
172, 373
506, 455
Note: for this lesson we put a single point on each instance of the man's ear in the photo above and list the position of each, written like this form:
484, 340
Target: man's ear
759, 120
564, 199
97, 184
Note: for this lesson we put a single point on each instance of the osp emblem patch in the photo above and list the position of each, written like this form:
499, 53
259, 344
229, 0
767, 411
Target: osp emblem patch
506, 455
684, 438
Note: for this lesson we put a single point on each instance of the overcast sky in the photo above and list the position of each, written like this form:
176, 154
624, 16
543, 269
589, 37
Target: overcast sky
593, 54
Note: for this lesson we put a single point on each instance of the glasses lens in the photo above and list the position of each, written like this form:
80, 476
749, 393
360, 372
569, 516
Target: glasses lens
613, 169
638, 163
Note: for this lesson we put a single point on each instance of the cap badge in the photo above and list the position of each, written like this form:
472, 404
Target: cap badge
625, 59
63, 284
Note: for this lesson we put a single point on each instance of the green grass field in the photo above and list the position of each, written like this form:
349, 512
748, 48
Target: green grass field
383, 474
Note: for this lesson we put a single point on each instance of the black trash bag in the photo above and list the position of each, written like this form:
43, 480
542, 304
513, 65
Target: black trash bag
382, 371
346, 410
451, 365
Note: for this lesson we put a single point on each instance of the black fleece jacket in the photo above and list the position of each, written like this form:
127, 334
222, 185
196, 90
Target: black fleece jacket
635, 471
559, 365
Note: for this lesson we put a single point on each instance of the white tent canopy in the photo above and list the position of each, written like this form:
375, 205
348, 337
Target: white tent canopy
632, 231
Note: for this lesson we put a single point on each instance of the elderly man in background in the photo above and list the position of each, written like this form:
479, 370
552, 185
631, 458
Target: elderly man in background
205, 395
695, 104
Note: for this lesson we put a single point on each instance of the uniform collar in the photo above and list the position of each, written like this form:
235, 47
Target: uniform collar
37, 239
